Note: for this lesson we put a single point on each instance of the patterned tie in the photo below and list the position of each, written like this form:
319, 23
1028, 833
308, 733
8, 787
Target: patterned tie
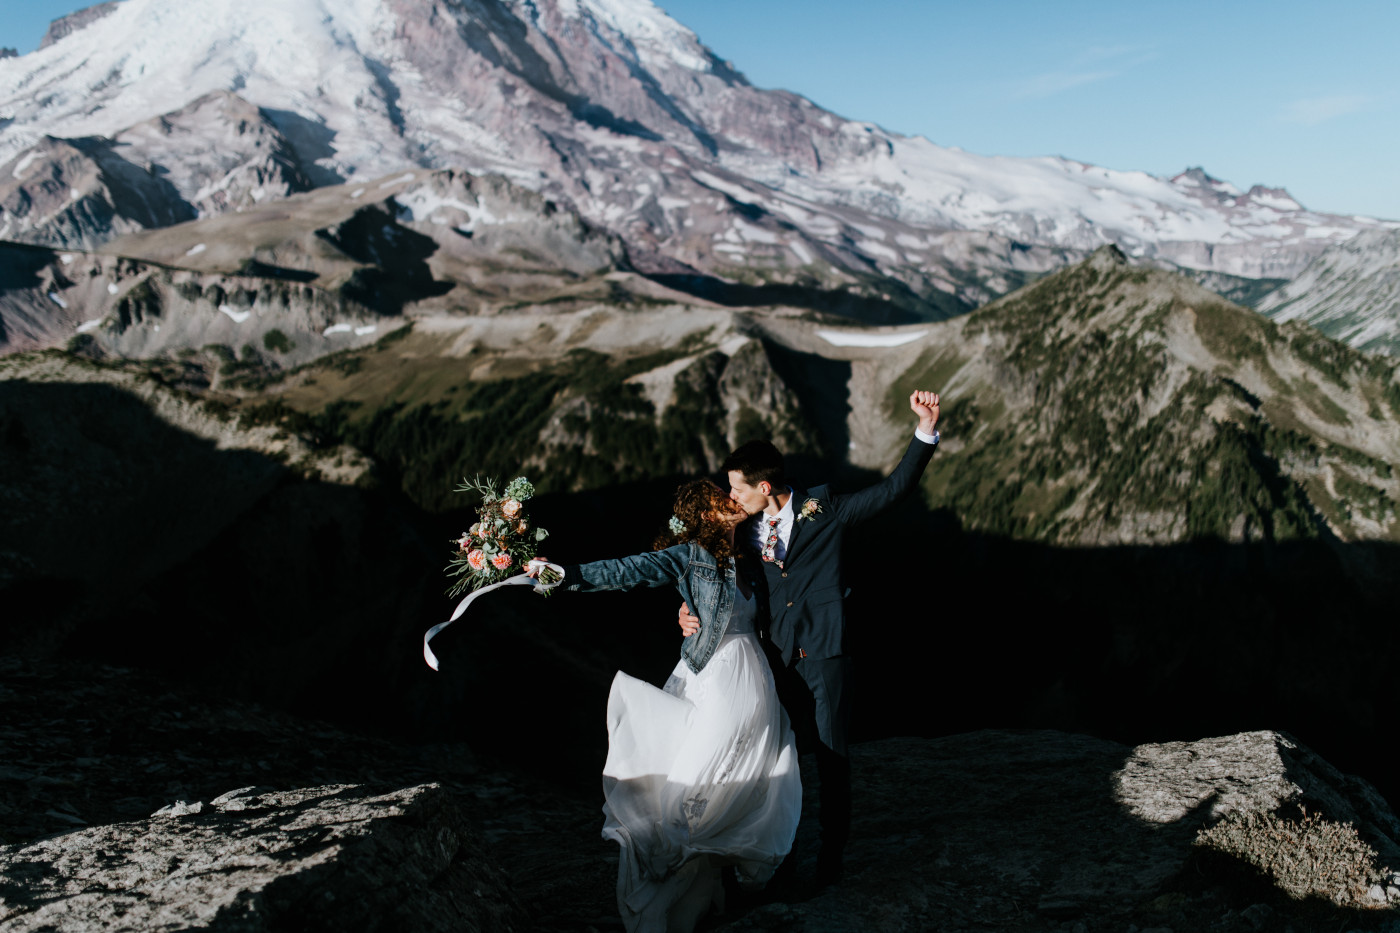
770, 544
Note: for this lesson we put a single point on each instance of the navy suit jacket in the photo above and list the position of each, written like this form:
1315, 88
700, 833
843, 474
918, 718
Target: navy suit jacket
806, 593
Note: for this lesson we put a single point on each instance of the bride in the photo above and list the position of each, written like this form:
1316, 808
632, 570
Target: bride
703, 773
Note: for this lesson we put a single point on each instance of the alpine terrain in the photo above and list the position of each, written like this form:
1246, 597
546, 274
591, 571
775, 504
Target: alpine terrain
277, 275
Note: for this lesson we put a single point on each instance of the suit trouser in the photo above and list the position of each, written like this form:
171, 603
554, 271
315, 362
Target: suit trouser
813, 691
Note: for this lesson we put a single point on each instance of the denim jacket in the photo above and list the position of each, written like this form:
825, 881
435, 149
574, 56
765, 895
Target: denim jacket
693, 570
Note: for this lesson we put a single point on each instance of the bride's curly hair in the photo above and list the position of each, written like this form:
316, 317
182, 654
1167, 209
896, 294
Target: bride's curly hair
696, 504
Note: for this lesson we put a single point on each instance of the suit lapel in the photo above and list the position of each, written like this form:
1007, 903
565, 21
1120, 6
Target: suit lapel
799, 496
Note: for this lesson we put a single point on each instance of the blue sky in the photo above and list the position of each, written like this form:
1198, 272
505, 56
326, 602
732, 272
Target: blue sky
1301, 95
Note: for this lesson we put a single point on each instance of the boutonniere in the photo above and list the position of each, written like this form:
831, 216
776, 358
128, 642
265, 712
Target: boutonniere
810, 510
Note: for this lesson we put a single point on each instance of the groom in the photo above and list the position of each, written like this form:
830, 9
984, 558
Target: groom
798, 534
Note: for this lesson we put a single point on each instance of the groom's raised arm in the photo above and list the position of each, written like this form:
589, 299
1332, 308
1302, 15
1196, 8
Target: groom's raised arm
858, 506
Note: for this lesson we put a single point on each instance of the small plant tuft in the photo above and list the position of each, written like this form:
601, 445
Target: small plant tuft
1311, 857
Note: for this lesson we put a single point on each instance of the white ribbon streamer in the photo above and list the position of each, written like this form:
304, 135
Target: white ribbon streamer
519, 578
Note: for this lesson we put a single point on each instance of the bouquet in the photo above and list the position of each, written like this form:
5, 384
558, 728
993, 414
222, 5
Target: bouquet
501, 542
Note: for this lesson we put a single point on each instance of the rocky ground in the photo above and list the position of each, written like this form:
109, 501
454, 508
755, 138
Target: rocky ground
261, 813
90, 753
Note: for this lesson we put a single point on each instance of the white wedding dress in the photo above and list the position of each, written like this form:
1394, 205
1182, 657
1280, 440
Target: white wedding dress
699, 775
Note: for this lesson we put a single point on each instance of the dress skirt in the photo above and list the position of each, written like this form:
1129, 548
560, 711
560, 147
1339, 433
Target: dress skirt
700, 775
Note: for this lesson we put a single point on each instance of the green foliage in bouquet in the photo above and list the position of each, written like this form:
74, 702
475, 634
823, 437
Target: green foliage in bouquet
501, 542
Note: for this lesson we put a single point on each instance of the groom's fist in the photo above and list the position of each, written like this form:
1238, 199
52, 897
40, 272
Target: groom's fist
925, 405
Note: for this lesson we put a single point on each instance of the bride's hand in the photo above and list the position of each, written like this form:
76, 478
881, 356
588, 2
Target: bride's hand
533, 567
690, 624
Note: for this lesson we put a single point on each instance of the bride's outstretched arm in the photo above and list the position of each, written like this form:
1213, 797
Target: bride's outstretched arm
654, 568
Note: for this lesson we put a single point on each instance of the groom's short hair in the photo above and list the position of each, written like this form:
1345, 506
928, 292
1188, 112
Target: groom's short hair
760, 462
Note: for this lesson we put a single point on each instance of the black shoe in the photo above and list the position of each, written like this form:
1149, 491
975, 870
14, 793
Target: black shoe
829, 870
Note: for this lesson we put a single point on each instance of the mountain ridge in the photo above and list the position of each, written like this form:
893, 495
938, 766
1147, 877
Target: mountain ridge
1351, 292
619, 111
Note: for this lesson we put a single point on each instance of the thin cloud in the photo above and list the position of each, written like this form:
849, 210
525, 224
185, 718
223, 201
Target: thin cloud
1057, 82
1310, 111
1093, 64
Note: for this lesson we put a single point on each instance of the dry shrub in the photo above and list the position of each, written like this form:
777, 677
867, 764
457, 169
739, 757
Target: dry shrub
1311, 857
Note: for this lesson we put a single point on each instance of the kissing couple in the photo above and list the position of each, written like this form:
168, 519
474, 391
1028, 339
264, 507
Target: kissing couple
703, 773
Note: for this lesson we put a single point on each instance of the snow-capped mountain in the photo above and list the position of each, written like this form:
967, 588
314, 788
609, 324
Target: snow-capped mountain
614, 108
1350, 292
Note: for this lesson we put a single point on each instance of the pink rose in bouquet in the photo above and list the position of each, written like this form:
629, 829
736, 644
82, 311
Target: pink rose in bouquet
502, 539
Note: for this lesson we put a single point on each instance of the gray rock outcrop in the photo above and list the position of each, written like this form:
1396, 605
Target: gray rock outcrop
1050, 831
337, 857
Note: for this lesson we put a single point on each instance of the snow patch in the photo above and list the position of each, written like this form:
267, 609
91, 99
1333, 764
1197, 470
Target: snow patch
736, 192
238, 316
86, 326
24, 164
839, 338
754, 234
1275, 202
66, 259
74, 194
196, 249
424, 203
357, 192
402, 179
112, 288
337, 329
53, 296
734, 344
877, 249
367, 329
800, 252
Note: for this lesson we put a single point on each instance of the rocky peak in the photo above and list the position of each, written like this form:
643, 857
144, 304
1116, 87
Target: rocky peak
1205, 186
1102, 361
76, 193
1196, 176
1277, 198
7, 52
1107, 257
80, 19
